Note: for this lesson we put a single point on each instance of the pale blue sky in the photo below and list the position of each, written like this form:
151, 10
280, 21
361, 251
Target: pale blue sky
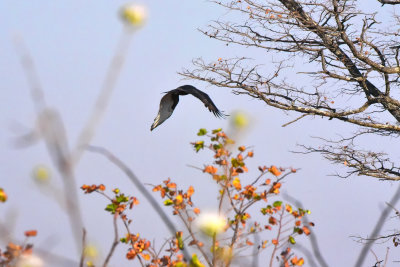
72, 43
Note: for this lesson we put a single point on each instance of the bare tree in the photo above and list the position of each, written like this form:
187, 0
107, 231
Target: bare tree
354, 58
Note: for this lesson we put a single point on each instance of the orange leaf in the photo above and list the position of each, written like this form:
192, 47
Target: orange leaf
210, 169
234, 172
3, 195
131, 254
274, 170
288, 208
272, 220
249, 243
306, 230
157, 188
275, 242
135, 201
145, 256
250, 154
30, 233
264, 243
242, 148
171, 185
268, 181
297, 262
236, 183
196, 210
178, 199
190, 191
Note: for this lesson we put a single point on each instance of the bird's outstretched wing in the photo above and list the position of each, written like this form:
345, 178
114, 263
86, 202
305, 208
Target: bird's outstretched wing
167, 105
170, 100
189, 89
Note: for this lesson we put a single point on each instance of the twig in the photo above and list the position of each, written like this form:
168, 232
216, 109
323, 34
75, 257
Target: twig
54, 134
214, 241
277, 239
299, 118
135, 180
115, 242
31, 74
83, 247
378, 226
105, 95
191, 233
313, 238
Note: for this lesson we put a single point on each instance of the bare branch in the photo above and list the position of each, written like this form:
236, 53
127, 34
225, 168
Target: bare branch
115, 242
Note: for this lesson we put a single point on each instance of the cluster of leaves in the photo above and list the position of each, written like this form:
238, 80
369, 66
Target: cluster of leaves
227, 171
277, 223
10, 256
139, 248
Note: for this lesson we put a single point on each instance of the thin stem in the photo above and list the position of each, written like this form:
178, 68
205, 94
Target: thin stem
115, 242
83, 248
104, 97
214, 241
379, 224
277, 239
185, 222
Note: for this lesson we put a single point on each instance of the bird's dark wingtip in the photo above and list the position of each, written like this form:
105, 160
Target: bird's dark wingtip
220, 114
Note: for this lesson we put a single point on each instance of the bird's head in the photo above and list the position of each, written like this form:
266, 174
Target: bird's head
155, 123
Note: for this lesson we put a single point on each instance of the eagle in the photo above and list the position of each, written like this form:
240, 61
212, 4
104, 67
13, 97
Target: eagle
171, 98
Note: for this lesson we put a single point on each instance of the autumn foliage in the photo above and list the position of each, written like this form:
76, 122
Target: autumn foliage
253, 218
250, 220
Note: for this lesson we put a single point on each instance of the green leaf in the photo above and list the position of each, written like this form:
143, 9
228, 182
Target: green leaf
195, 262
277, 204
199, 145
264, 211
122, 198
217, 146
111, 208
257, 197
202, 132
235, 162
216, 130
168, 202
291, 240
180, 242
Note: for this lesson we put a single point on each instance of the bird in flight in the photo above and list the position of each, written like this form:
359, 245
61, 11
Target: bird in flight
171, 98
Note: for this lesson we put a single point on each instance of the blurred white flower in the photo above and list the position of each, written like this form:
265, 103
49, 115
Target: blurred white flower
134, 14
91, 251
29, 260
239, 120
211, 223
41, 174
